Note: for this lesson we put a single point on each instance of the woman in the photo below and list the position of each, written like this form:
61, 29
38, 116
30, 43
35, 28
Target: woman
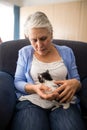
36, 58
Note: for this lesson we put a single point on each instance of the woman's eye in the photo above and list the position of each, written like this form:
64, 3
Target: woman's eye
43, 38
40, 39
34, 40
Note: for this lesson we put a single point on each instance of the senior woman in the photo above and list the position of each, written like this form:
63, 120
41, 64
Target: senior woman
36, 58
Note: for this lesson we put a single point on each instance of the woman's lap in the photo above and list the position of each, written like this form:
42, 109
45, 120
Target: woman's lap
66, 119
31, 117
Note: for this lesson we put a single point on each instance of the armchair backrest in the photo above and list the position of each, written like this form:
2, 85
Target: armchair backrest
9, 54
80, 51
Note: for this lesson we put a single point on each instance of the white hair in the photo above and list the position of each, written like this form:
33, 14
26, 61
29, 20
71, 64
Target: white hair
37, 20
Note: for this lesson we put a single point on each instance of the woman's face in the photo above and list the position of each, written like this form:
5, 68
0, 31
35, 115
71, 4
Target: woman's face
40, 39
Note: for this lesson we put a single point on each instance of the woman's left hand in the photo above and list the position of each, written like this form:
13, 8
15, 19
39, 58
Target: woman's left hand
67, 89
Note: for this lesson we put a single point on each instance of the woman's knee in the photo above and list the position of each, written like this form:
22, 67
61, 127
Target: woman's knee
68, 119
29, 116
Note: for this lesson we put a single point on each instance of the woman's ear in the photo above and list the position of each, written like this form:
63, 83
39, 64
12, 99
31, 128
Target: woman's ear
51, 36
0, 40
26, 37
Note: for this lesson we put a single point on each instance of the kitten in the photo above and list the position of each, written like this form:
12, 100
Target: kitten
47, 80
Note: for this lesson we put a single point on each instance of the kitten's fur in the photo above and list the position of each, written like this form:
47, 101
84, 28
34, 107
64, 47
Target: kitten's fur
46, 78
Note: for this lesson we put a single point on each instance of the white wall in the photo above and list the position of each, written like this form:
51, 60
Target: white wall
6, 22
69, 19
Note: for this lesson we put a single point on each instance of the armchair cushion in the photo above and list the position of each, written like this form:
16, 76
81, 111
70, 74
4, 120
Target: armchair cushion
9, 54
7, 99
83, 93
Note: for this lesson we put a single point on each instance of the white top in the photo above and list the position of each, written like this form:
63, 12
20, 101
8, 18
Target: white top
57, 69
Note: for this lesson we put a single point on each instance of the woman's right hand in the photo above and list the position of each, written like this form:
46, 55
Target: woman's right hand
41, 91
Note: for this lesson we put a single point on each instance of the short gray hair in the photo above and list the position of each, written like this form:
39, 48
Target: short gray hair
37, 20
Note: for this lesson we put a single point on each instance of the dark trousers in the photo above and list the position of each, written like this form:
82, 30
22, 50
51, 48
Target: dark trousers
31, 117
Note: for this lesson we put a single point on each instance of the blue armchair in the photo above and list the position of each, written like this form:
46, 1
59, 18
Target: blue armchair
8, 58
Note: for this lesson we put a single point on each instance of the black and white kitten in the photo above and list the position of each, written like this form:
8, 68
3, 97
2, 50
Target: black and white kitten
46, 79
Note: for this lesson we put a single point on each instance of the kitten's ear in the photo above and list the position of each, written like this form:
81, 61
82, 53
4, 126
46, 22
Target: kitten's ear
47, 71
38, 75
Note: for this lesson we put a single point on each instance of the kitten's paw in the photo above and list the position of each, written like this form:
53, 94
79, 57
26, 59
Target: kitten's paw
66, 105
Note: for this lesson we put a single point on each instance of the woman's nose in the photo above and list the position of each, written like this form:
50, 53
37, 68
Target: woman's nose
39, 43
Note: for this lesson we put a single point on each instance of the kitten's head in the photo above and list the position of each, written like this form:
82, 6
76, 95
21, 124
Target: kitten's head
44, 76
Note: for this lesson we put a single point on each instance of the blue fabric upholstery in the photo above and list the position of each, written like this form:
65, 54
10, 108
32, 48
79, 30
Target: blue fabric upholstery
83, 93
7, 99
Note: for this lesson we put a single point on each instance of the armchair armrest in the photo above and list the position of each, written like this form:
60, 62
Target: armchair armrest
7, 99
83, 94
